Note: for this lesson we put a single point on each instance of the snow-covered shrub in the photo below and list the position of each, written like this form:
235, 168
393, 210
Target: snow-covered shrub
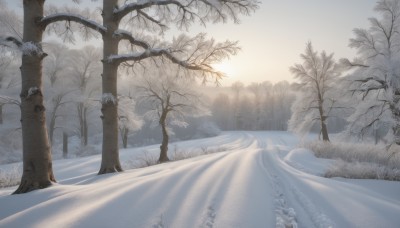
365, 161
362, 170
144, 160
10, 146
178, 154
10, 176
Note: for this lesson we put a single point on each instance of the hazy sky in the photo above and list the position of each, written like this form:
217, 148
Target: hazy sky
275, 35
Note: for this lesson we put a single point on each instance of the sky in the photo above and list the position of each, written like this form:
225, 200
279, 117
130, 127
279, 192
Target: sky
273, 37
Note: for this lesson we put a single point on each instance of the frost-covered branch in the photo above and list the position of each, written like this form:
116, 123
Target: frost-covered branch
8, 100
140, 5
125, 35
192, 53
57, 17
187, 11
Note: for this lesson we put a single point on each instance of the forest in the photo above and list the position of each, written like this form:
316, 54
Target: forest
355, 98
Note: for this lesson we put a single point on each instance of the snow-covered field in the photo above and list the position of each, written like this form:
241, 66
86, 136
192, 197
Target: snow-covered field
259, 180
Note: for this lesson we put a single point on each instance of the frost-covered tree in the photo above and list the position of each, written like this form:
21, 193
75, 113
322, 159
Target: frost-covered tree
195, 53
57, 85
375, 82
170, 99
222, 111
283, 98
317, 75
129, 122
85, 71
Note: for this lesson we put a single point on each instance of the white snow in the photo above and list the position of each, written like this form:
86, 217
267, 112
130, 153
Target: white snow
305, 160
108, 98
32, 91
29, 48
258, 181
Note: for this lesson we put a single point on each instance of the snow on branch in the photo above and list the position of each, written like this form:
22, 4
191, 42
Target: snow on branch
75, 18
108, 98
27, 48
32, 91
140, 5
125, 35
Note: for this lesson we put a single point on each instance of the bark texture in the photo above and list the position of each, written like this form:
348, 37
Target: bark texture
125, 133
83, 123
165, 138
65, 145
110, 155
1, 113
322, 116
37, 164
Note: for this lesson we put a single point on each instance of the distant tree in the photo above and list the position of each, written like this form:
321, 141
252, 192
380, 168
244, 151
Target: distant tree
257, 91
85, 70
222, 111
129, 122
237, 88
317, 76
58, 86
283, 99
267, 106
10, 25
170, 99
375, 83
8, 78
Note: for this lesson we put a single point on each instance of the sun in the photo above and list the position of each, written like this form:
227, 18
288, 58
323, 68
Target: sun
225, 68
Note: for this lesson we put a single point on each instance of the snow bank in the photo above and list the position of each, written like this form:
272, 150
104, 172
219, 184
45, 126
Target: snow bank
305, 160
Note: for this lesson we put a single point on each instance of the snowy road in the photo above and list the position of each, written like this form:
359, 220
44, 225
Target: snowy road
251, 184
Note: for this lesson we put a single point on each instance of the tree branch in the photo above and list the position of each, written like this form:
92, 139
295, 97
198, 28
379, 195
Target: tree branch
72, 17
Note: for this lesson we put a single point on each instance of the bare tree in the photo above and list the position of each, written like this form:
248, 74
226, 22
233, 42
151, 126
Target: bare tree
317, 76
170, 100
375, 83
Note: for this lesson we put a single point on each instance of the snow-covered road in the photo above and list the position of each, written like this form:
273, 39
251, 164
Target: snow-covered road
258, 181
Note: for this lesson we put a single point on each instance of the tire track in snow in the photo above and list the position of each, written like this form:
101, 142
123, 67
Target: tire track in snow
288, 196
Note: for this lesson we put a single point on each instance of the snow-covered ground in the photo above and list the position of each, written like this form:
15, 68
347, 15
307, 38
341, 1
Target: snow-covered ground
259, 180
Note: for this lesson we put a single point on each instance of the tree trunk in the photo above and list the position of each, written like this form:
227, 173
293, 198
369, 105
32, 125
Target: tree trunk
125, 133
37, 164
85, 127
65, 145
52, 126
165, 139
1, 114
110, 154
322, 117
324, 131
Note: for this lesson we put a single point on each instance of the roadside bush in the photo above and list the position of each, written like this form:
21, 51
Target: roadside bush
360, 161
